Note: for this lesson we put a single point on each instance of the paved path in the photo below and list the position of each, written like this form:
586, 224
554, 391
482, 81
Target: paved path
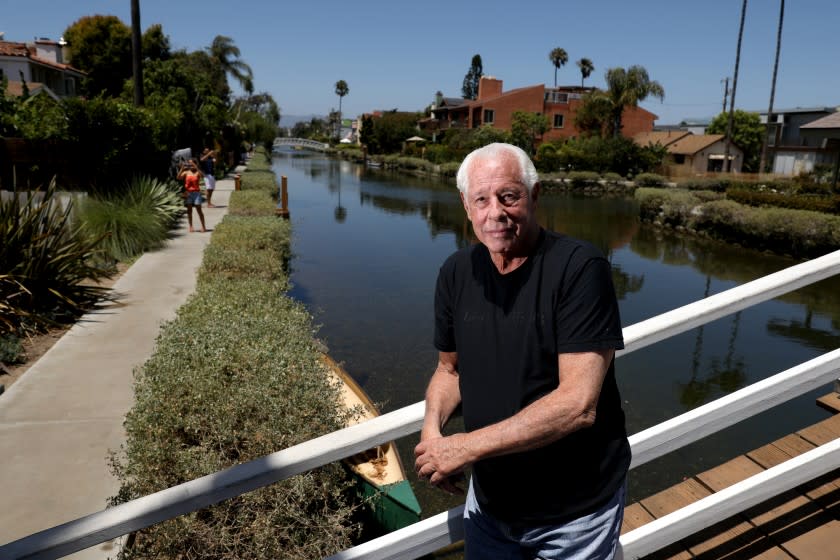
59, 421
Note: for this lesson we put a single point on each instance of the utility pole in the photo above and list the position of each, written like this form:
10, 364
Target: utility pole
725, 82
734, 86
771, 126
137, 53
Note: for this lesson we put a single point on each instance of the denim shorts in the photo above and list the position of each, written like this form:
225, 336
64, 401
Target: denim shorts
591, 537
194, 198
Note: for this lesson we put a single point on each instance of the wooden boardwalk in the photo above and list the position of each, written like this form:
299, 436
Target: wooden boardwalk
802, 524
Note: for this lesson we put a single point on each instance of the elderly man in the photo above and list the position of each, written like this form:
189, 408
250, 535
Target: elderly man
526, 325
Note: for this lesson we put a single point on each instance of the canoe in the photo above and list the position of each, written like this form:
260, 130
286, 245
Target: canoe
378, 472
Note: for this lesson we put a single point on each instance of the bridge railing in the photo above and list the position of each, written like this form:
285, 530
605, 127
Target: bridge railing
302, 142
445, 528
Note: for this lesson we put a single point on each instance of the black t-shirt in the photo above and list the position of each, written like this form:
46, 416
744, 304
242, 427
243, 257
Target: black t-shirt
507, 331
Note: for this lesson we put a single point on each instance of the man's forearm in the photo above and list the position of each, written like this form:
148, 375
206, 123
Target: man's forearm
565, 410
443, 396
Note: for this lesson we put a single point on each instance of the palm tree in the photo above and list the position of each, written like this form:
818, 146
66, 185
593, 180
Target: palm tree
341, 89
558, 58
627, 88
772, 88
586, 68
726, 159
226, 54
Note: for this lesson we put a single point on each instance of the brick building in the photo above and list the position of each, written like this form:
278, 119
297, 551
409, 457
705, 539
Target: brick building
495, 107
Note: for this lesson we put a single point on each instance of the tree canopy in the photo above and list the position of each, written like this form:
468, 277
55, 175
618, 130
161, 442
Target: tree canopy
227, 55
558, 58
469, 89
747, 134
526, 127
586, 68
625, 88
101, 47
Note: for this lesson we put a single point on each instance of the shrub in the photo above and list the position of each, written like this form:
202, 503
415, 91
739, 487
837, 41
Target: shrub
613, 178
233, 379
411, 163
668, 207
827, 204
11, 350
133, 220
796, 232
44, 260
650, 180
581, 179
449, 169
717, 184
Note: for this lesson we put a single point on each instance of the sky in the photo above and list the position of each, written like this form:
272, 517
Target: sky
396, 55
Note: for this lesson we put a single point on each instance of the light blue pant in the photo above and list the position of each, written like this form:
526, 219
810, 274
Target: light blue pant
591, 537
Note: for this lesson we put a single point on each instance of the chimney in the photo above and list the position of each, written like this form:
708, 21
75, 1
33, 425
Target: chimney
488, 87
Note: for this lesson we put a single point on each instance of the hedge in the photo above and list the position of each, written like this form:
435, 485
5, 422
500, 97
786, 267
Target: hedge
800, 233
236, 376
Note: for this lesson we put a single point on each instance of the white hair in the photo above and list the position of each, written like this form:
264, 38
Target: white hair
527, 171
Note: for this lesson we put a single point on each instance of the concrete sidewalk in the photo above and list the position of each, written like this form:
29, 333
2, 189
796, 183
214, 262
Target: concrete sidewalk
61, 419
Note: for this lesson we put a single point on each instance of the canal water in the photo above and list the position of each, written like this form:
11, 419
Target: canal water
367, 246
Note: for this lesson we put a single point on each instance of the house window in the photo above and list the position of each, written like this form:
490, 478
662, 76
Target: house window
489, 116
679, 159
69, 86
558, 121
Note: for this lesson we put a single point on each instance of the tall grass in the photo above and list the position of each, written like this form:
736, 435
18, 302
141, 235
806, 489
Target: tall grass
133, 220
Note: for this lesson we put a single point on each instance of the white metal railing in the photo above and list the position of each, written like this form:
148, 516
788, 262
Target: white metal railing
302, 142
442, 529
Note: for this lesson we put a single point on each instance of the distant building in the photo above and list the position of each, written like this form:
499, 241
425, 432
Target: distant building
40, 65
792, 150
693, 154
495, 107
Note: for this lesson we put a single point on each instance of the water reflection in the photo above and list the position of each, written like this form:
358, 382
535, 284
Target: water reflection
368, 245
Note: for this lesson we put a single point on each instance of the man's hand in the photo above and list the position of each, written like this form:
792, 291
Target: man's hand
442, 460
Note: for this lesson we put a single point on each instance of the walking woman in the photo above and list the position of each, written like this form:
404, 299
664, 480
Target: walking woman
191, 176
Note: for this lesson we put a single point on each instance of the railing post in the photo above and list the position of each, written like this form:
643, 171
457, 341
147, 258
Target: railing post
283, 211
237, 182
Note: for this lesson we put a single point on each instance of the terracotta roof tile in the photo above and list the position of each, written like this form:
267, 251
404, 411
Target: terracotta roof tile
9, 48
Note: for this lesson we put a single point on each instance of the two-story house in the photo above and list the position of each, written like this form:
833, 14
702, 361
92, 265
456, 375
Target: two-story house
495, 107
790, 151
41, 66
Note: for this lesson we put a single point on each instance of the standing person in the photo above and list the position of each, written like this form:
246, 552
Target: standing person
526, 325
208, 165
191, 176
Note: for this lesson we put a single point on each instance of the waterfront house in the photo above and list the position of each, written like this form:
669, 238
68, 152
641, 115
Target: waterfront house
798, 139
41, 66
495, 107
790, 152
693, 154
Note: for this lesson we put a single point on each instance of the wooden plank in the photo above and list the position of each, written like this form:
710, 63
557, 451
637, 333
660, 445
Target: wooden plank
729, 473
822, 432
824, 490
819, 543
675, 497
830, 402
634, 517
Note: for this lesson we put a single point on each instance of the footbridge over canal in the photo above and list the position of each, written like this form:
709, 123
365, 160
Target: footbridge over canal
300, 143
808, 462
